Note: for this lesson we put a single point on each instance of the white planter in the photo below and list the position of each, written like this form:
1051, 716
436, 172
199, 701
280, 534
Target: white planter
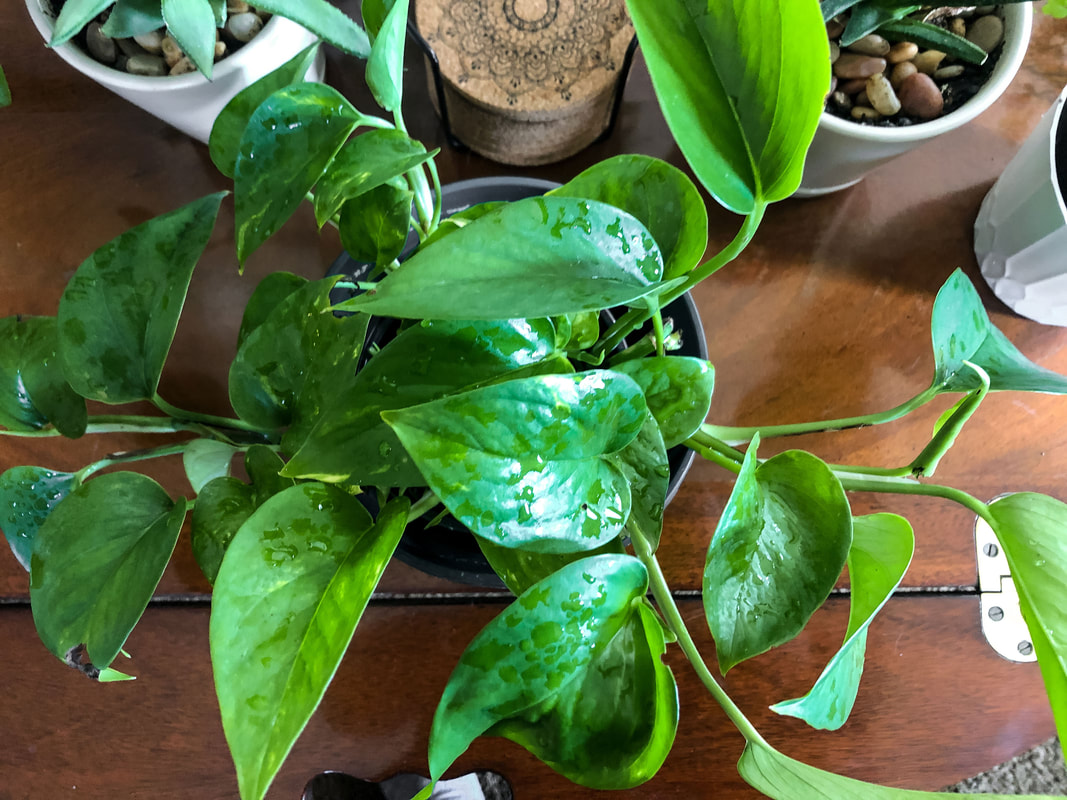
844, 151
190, 102
1020, 236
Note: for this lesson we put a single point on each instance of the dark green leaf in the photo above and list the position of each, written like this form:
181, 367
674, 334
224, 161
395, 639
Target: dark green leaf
658, 195
225, 140
207, 459
741, 87
520, 569
385, 66
5, 90
931, 36
264, 468
293, 136
534, 649
192, 24
74, 16
365, 162
324, 20
1031, 528
643, 463
882, 547
581, 330
867, 17
523, 463
678, 391
461, 219
613, 726
374, 13
961, 331
268, 294
538, 257
831, 8
28, 495
293, 586
133, 17
96, 562
351, 442
119, 312
35, 390
779, 547
374, 225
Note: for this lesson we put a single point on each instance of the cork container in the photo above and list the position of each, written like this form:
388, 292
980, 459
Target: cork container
526, 82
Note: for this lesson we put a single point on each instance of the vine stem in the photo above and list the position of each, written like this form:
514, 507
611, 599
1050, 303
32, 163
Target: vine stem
115, 423
206, 419
129, 457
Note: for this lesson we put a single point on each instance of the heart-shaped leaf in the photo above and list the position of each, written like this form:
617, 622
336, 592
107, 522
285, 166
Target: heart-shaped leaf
534, 649
657, 194
132, 18
28, 495
520, 569
643, 463
961, 331
192, 24
741, 88
524, 463
292, 588
207, 459
118, 314
385, 66
268, 294
97, 560
325, 20
882, 546
374, 225
538, 257
780, 546
677, 389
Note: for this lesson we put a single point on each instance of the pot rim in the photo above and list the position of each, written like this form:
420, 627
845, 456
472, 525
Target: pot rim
274, 30
1018, 24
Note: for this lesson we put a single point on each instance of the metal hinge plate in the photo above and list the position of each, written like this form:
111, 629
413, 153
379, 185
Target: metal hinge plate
1002, 621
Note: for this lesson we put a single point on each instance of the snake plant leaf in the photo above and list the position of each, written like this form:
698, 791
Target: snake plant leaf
530, 653
220, 10
97, 560
292, 588
74, 16
268, 294
643, 463
933, 37
783, 778
1030, 528
351, 443
207, 459
28, 495
525, 463
374, 225
657, 194
289, 142
364, 163
36, 390
867, 17
5, 90
225, 140
882, 547
613, 726
118, 314
779, 547
677, 389
324, 20
538, 257
741, 86
133, 17
961, 331
192, 24
385, 65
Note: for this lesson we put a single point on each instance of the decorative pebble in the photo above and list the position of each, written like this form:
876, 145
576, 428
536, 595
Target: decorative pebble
983, 10
130, 47
101, 46
237, 7
947, 73
854, 86
881, 94
172, 51
920, 97
900, 72
928, 61
152, 41
148, 65
958, 26
835, 51
244, 27
901, 52
834, 28
856, 65
986, 32
182, 66
220, 50
864, 113
841, 100
870, 45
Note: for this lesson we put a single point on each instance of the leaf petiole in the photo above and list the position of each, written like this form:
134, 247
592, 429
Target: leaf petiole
128, 458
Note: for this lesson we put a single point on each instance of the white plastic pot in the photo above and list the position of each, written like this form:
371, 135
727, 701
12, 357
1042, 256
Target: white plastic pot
1020, 236
190, 102
844, 151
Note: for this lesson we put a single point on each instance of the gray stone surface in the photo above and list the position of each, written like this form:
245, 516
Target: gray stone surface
1037, 771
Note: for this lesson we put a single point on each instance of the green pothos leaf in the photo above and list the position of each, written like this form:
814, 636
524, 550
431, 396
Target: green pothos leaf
677, 389
643, 463
385, 66
28, 495
5, 90
374, 224
207, 459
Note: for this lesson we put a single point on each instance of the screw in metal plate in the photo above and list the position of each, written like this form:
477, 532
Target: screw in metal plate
996, 613
1026, 648
991, 549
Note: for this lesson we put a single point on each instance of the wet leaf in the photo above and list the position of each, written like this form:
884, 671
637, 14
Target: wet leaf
374, 225
520, 569
268, 294
677, 389
207, 459
28, 495
643, 463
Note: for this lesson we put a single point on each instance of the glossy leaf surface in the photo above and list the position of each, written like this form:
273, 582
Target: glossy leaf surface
779, 547
882, 547
538, 257
268, 295
325, 20
677, 389
961, 331
133, 17
537, 646
35, 389
207, 459
385, 66
1030, 529
741, 86
28, 495
613, 726
350, 442
192, 24
118, 314
657, 194
643, 463
374, 225
74, 16
293, 586
96, 562
293, 135
225, 140
933, 37
520, 569
523, 463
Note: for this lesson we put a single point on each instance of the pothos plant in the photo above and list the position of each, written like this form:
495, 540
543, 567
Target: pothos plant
502, 400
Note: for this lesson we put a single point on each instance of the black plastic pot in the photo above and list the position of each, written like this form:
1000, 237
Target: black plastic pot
448, 549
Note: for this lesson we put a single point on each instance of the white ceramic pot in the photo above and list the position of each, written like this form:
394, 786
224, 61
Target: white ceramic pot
1020, 236
190, 102
844, 151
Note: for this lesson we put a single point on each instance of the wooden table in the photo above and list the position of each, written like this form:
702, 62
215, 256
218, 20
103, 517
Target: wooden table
825, 315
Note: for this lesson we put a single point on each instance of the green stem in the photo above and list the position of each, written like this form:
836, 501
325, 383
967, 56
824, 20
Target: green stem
425, 503
115, 423
206, 419
128, 458
856, 482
